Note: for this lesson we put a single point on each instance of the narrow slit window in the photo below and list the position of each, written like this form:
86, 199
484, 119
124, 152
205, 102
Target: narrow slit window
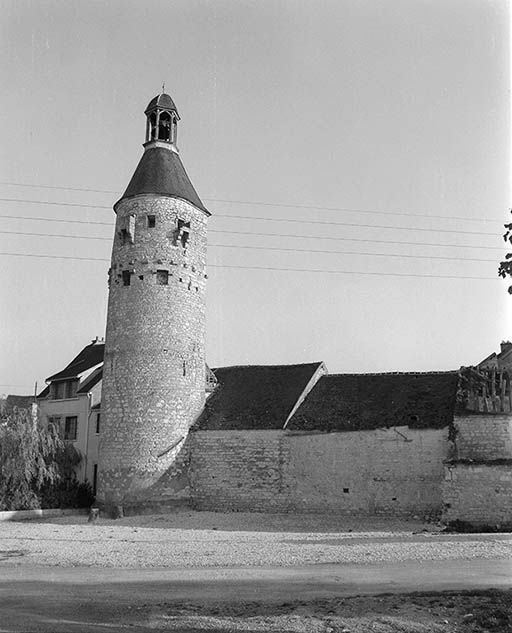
162, 277
183, 232
127, 229
151, 221
184, 368
98, 423
127, 277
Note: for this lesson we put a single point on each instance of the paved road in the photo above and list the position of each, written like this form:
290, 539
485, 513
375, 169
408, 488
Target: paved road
58, 600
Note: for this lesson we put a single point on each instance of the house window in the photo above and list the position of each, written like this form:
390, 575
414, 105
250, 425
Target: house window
71, 387
94, 478
70, 427
97, 423
64, 389
151, 221
162, 277
127, 277
54, 420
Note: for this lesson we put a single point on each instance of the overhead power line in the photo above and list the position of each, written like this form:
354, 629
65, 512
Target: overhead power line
83, 189
267, 219
314, 250
356, 224
27, 217
355, 239
269, 248
284, 205
301, 270
257, 234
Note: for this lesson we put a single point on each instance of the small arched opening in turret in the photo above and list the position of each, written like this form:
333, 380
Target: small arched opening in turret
164, 127
151, 128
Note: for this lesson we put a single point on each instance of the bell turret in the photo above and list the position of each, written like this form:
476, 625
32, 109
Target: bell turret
162, 121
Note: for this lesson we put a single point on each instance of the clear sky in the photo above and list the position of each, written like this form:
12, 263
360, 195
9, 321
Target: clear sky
306, 114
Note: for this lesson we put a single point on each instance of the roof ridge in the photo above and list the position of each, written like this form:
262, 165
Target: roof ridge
267, 366
395, 373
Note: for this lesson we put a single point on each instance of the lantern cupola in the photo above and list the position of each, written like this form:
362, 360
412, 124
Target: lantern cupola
162, 122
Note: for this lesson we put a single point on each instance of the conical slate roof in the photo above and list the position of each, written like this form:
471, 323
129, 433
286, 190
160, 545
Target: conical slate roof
160, 171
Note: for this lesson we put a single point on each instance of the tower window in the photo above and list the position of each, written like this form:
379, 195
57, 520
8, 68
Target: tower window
184, 368
127, 277
162, 277
151, 221
97, 423
127, 229
183, 232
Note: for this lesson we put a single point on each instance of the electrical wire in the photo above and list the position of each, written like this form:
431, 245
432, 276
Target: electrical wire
302, 270
269, 248
266, 219
258, 234
270, 204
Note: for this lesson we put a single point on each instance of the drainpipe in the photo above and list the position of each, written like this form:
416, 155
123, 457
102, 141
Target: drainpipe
89, 412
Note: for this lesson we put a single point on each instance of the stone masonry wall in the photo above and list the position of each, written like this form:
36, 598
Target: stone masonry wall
394, 471
154, 366
239, 470
479, 494
477, 487
390, 471
483, 437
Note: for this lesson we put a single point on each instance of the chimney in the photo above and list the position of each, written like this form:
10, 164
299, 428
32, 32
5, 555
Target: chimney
505, 346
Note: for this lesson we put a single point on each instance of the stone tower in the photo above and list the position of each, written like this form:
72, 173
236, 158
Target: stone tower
154, 364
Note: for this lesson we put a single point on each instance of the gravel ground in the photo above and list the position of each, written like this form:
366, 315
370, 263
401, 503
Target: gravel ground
205, 539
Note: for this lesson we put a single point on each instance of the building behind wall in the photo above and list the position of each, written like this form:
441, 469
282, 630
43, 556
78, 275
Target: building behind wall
71, 403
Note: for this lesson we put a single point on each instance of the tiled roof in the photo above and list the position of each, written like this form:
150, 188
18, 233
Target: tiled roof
161, 171
91, 380
20, 402
44, 393
254, 396
90, 356
354, 402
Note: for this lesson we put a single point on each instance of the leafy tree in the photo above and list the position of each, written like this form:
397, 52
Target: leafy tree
505, 269
36, 466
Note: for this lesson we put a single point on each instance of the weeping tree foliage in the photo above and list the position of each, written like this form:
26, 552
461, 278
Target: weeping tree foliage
36, 466
505, 269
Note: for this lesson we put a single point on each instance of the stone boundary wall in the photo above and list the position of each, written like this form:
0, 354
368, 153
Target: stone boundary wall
477, 487
478, 494
483, 437
239, 470
389, 472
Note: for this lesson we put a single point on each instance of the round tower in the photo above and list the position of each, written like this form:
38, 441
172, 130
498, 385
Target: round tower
154, 364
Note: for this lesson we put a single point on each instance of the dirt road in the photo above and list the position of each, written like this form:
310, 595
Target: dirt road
192, 572
90, 600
